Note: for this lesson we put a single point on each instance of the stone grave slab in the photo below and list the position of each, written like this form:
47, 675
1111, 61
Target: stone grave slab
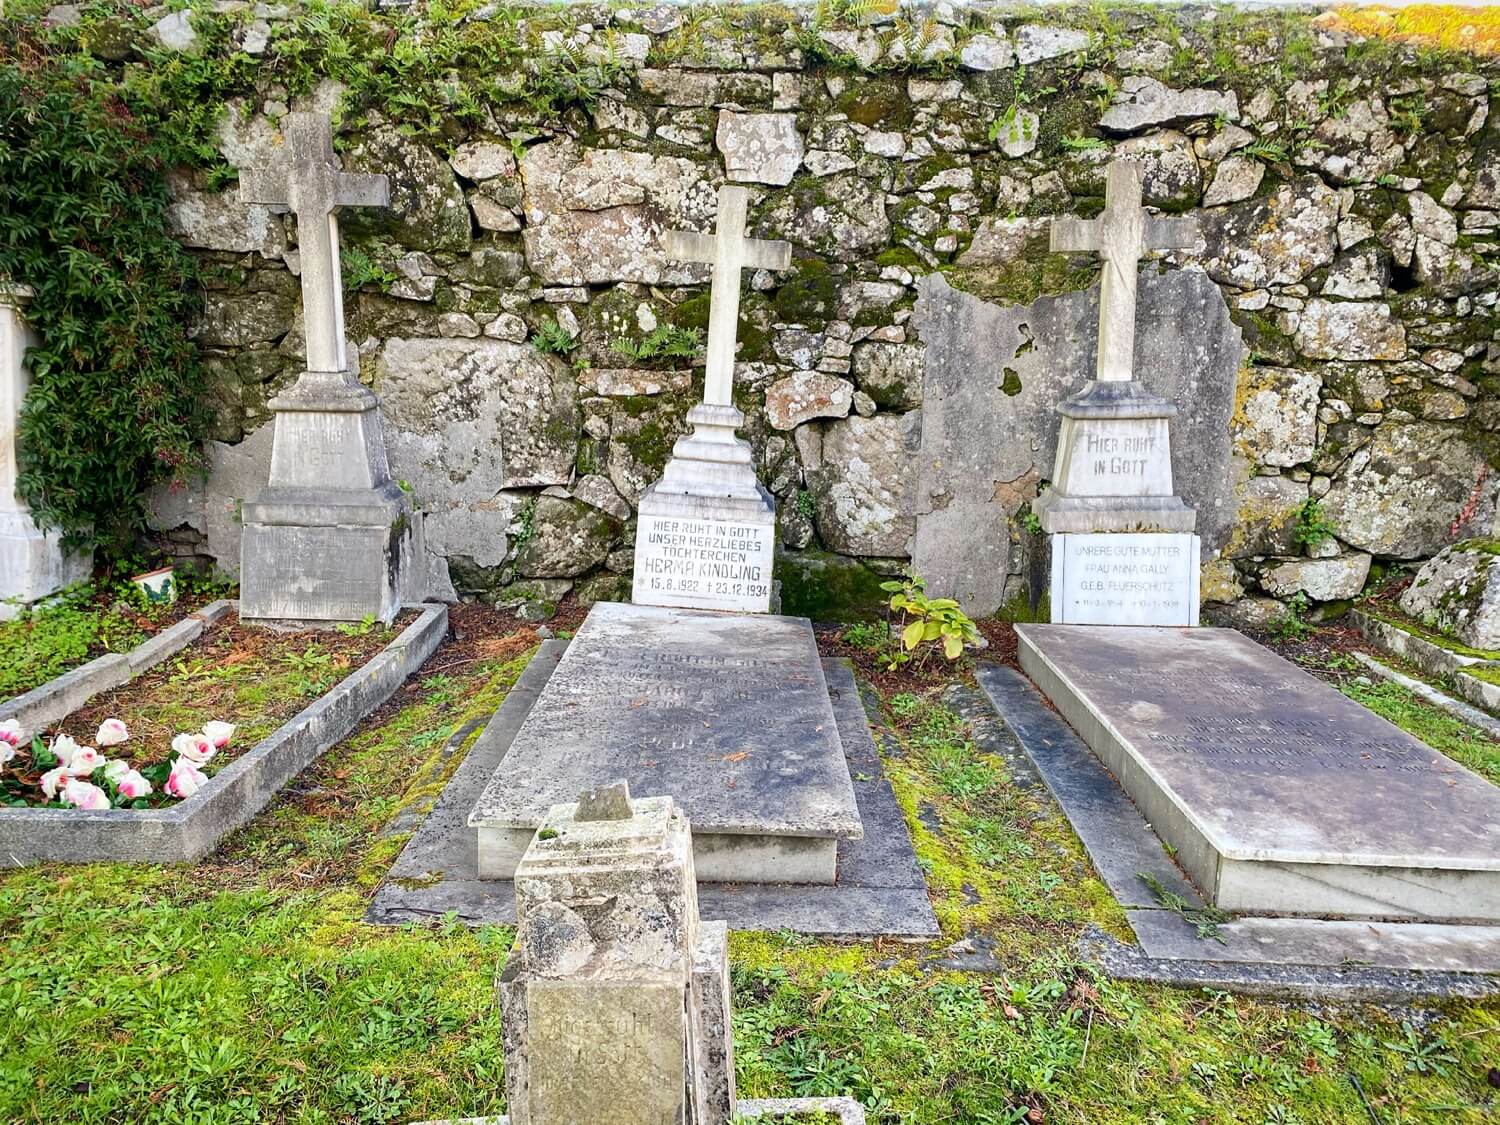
728, 714
1279, 794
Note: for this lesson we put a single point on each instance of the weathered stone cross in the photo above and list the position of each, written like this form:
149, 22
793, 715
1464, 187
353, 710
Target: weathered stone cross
1121, 234
306, 179
729, 251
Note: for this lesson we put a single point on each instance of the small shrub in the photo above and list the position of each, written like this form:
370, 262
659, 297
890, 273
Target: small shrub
927, 621
665, 341
1313, 527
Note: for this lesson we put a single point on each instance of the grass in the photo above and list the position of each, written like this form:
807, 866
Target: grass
46, 642
247, 988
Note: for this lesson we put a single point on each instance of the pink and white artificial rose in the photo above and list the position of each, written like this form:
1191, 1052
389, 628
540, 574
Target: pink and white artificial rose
128, 782
219, 733
82, 795
185, 779
52, 780
111, 732
196, 748
11, 733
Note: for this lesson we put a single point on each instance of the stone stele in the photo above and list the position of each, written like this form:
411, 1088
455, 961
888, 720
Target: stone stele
706, 533
1113, 471
1279, 794
332, 537
729, 713
32, 561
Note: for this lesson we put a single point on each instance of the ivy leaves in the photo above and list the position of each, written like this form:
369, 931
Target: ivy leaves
115, 381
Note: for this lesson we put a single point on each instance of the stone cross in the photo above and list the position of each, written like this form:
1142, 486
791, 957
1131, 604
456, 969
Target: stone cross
306, 179
1121, 234
729, 252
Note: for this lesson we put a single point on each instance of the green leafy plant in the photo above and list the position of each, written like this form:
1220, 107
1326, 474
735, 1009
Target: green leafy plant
1205, 920
665, 341
1272, 152
553, 338
360, 269
114, 405
1293, 624
1313, 527
929, 621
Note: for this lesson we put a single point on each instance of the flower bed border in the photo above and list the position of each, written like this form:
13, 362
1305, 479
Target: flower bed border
187, 831
59, 697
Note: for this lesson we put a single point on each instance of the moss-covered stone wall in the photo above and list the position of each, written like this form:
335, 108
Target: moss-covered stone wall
536, 351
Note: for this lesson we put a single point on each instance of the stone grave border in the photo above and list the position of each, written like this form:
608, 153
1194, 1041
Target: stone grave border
1431, 659
185, 832
881, 891
1121, 845
60, 697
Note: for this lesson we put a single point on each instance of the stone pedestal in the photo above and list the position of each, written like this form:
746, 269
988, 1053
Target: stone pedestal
706, 534
615, 999
331, 537
33, 564
1123, 552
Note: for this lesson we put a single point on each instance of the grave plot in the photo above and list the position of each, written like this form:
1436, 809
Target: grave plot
190, 734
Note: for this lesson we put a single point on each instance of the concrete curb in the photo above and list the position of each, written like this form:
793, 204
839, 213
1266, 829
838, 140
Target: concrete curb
58, 698
1442, 701
1433, 659
187, 831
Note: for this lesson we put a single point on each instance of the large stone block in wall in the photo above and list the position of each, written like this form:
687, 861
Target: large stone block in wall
1403, 495
1275, 240
862, 484
598, 215
428, 210
466, 419
993, 378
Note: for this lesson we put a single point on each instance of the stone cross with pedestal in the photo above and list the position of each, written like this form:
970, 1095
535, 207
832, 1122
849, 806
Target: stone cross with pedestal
33, 564
1123, 548
615, 999
332, 536
706, 533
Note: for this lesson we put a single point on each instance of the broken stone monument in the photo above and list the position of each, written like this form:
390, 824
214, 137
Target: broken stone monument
615, 1001
332, 536
33, 563
706, 535
1123, 547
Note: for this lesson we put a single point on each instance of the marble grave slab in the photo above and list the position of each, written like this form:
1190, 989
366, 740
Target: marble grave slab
728, 714
1280, 794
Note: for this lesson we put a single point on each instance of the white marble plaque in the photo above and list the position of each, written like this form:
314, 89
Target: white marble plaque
1146, 578
703, 563
1114, 457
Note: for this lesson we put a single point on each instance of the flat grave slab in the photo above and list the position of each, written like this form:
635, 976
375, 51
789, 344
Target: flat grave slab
728, 714
1279, 794
880, 890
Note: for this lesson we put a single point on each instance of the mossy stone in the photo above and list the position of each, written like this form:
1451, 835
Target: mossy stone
829, 587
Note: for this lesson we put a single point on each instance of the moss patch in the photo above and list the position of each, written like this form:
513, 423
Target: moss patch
829, 587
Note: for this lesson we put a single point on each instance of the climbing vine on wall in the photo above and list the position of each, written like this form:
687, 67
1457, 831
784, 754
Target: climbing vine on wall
113, 406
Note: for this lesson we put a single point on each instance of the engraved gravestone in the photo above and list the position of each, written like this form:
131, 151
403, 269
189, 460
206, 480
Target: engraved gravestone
332, 536
615, 999
728, 713
1123, 548
33, 563
706, 533
1278, 793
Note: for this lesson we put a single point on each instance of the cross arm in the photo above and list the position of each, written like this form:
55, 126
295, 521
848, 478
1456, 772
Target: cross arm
1071, 235
364, 189
690, 246
266, 186
767, 254
1170, 234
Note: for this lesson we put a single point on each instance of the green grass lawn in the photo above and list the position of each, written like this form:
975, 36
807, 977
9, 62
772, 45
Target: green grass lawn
246, 988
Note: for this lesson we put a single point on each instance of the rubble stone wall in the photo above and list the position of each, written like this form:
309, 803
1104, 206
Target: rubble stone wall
514, 309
